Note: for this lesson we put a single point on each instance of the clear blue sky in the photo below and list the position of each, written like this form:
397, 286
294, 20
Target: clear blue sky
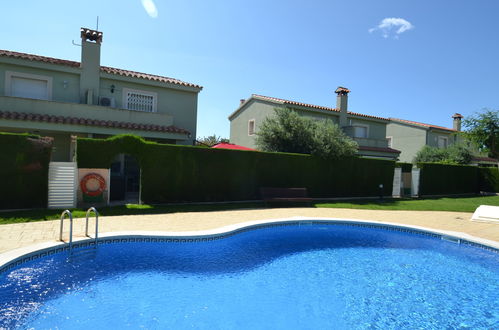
445, 61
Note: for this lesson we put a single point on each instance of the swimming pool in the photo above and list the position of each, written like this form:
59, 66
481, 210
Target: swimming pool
287, 275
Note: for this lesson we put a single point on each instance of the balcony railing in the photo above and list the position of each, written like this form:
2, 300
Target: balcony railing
97, 112
365, 142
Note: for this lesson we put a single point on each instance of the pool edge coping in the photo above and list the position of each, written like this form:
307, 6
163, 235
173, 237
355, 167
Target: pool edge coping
18, 256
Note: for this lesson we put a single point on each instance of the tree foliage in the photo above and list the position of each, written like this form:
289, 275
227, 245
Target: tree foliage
211, 140
483, 130
455, 154
287, 131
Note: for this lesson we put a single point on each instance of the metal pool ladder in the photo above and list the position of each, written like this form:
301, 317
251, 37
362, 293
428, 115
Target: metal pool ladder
68, 213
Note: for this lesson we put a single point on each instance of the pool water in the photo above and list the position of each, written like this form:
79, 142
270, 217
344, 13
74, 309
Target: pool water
286, 277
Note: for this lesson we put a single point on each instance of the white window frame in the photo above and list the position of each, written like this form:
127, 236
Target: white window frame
444, 138
251, 121
10, 74
390, 141
361, 125
138, 91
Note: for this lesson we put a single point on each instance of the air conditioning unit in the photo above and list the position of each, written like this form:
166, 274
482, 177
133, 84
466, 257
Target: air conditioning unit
107, 102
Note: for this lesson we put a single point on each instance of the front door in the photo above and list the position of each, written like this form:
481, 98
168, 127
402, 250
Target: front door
125, 180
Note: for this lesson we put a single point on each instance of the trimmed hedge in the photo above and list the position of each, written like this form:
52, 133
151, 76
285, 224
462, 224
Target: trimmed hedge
444, 179
488, 179
406, 167
173, 173
24, 167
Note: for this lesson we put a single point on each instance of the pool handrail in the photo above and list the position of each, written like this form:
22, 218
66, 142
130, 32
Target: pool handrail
63, 215
93, 209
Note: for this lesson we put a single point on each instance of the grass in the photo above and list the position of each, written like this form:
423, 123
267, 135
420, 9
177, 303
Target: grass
129, 209
461, 204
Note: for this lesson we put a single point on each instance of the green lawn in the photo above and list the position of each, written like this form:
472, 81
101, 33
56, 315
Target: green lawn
129, 209
462, 204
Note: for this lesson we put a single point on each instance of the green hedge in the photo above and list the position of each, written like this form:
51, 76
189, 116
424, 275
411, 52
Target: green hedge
406, 167
24, 163
488, 179
172, 173
443, 179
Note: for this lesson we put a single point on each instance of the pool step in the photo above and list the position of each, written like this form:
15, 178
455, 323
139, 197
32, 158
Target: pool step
451, 239
81, 254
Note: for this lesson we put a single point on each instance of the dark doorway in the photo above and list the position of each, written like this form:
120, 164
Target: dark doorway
125, 180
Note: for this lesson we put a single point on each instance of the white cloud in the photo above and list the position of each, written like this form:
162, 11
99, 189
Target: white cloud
150, 8
392, 26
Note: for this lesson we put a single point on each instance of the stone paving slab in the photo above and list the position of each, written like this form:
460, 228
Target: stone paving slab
13, 236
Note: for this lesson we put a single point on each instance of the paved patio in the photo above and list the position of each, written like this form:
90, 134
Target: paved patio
21, 235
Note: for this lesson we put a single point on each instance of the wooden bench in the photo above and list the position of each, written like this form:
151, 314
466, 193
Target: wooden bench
285, 195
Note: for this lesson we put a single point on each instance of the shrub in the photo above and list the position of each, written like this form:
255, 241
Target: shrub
406, 167
287, 131
172, 173
443, 179
455, 154
24, 170
488, 179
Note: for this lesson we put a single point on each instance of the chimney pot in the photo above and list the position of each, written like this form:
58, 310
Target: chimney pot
342, 104
457, 121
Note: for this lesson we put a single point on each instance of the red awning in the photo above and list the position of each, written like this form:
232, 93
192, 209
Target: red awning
224, 145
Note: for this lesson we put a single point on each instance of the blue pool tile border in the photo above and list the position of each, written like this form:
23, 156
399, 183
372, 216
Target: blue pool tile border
156, 239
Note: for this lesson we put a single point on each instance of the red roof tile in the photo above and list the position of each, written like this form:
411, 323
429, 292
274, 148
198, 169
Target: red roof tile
390, 150
277, 100
74, 64
9, 115
224, 145
423, 124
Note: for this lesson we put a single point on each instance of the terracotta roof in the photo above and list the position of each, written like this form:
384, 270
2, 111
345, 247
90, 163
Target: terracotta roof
225, 145
282, 101
9, 115
342, 90
74, 64
423, 124
390, 150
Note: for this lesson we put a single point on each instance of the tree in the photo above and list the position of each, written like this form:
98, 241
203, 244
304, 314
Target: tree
211, 140
483, 130
287, 131
455, 154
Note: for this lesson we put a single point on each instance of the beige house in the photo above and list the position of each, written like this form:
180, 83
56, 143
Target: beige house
368, 131
410, 137
59, 98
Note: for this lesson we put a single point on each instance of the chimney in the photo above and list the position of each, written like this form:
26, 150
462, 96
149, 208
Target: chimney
457, 121
90, 65
342, 104
241, 101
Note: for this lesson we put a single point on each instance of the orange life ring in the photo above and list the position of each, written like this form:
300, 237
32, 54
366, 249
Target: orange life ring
93, 176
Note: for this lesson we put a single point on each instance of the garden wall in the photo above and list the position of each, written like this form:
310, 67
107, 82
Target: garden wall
174, 173
444, 179
24, 162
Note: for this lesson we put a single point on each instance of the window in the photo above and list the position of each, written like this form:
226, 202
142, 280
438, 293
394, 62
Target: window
442, 142
139, 100
390, 141
251, 127
28, 85
360, 131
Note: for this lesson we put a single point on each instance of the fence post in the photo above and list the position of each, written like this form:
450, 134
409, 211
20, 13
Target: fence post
415, 182
397, 176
